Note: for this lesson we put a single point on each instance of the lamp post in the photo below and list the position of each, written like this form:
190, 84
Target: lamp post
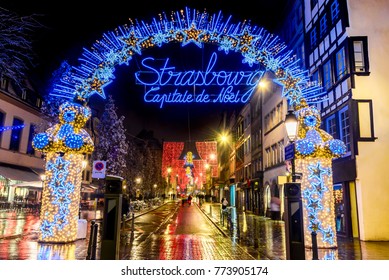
291, 124
294, 221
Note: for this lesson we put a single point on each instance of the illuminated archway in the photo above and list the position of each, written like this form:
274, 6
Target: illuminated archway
64, 143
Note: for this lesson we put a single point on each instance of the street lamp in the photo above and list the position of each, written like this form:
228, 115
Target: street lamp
138, 180
291, 124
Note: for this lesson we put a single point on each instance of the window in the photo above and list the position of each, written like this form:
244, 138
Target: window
30, 148
344, 123
323, 26
268, 157
281, 151
313, 3
313, 37
327, 76
331, 126
273, 155
4, 82
16, 135
340, 66
315, 78
360, 57
334, 11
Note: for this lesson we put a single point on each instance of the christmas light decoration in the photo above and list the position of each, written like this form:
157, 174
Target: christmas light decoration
315, 150
64, 145
65, 142
193, 172
5, 128
188, 26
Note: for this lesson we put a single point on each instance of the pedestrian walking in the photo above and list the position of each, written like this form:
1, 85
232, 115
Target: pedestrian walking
224, 203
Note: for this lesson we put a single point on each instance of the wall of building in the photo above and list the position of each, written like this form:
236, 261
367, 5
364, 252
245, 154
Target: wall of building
371, 19
13, 108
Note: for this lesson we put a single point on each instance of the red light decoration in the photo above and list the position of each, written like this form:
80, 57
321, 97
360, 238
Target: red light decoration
170, 158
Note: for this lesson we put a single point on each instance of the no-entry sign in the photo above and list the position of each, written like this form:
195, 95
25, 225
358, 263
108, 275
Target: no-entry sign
99, 167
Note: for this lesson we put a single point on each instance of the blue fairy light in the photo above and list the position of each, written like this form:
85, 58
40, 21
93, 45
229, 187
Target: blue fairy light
74, 141
40, 141
256, 45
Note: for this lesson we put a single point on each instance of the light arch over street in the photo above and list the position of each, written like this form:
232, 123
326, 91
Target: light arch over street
65, 143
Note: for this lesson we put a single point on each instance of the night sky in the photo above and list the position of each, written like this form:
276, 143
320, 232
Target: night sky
70, 26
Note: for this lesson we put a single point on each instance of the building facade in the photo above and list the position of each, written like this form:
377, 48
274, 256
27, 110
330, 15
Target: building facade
345, 54
20, 165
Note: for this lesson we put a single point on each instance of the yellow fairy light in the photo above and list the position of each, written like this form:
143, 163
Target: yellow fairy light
65, 145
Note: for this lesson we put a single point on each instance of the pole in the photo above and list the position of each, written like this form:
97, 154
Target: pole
94, 244
314, 246
293, 164
91, 241
133, 222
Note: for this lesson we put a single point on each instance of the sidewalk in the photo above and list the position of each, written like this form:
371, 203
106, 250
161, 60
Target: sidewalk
256, 231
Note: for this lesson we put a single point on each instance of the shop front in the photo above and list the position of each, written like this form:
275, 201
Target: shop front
19, 184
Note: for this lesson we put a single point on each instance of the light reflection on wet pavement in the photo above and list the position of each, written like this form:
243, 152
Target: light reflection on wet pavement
184, 234
174, 232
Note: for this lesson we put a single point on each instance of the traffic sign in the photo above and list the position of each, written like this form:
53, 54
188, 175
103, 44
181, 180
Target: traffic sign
99, 167
289, 152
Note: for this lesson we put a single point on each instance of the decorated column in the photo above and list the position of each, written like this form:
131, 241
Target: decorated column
315, 150
64, 146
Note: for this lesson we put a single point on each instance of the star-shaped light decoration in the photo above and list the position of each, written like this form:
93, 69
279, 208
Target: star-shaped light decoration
226, 44
316, 171
328, 236
245, 39
314, 204
192, 35
159, 39
59, 165
250, 57
314, 225
46, 228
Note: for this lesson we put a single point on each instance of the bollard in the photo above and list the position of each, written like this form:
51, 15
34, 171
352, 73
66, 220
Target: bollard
314, 246
88, 256
210, 210
94, 244
133, 222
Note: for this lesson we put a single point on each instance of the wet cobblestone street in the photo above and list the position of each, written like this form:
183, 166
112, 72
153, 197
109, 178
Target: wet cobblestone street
174, 232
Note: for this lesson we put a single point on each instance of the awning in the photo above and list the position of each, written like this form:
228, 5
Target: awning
88, 189
29, 185
20, 173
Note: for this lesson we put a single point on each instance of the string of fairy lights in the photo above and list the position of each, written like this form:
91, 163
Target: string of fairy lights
65, 143
315, 149
187, 26
5, 128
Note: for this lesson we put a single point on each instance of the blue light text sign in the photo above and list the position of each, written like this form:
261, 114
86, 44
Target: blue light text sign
163, 84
